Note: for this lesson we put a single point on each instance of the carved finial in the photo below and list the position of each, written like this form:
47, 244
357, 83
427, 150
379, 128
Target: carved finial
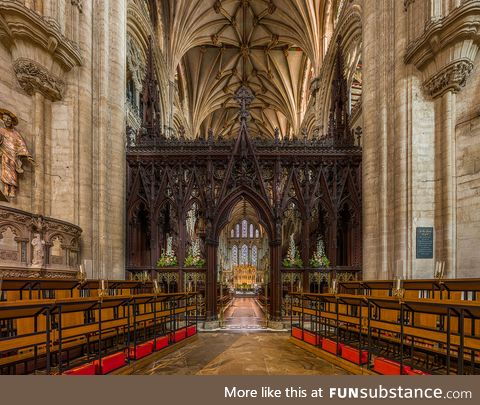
244, 98
276, 136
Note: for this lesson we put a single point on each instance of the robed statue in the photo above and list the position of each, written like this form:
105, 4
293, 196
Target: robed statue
12, 149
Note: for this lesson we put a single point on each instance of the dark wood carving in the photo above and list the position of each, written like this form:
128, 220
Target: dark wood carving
320, 177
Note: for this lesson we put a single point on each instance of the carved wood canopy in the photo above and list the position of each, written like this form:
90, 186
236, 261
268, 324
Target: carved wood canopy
319, 178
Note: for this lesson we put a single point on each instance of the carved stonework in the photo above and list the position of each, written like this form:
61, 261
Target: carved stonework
407, 3
135, 62
31, 242
446, 50
451, 78
78, 4
33, 78
41, 52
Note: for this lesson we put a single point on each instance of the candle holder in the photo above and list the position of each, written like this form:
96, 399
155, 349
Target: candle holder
103, 290
334, 287
81, 275
397, 289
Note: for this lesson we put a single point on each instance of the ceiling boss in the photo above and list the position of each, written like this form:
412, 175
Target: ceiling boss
12, 149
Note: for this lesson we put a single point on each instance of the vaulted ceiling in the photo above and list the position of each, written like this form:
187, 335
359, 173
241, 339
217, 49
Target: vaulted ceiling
275, 47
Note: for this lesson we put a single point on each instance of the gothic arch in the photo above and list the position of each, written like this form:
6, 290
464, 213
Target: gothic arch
223, 213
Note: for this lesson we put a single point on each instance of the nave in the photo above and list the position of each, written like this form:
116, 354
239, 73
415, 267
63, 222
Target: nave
244, 313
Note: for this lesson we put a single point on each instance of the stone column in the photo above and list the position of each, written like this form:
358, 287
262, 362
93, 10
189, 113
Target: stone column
445, 195
39, 130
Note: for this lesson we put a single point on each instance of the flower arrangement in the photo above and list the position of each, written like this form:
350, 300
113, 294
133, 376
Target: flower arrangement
319, 258
168, 258
194, 257
293, 255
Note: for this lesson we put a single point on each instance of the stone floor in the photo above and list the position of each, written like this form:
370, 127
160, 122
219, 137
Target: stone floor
238, 351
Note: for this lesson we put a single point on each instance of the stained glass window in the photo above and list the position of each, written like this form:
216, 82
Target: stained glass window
254, 256
257, 234
251, 230
232, 233
237, 230
244, 228
244, 255
234, 258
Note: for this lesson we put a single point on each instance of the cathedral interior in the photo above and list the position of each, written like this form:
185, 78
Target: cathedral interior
227, 183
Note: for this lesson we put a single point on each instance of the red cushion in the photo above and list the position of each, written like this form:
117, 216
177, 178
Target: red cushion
179, 335
160, 343
311, 338
297, 333
191, 330
388, 367
331, 346
142, 350
354, 355
416, 372
112, 362
86, 369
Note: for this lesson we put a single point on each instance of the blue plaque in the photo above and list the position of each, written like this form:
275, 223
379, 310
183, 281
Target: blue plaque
425, 243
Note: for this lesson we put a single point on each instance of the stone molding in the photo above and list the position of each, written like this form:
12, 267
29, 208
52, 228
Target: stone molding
33, 78
17, 252
36, 42
78, 3
446, 51
451, 78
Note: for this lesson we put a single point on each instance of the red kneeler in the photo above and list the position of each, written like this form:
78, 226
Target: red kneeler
179, 335
160, 343
331, 346
141, 351
354, 355
388, 367
416, 372
110, 363
311, 338
86, 369
191, 330
297, 333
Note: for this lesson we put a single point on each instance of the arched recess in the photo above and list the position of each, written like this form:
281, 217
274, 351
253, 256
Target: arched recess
346, 234
166, 225
199, 230
139, 236
322, 226
292, 224
223, 213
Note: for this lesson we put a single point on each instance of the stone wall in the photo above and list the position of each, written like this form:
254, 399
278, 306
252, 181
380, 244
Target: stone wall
76, 136
421, 136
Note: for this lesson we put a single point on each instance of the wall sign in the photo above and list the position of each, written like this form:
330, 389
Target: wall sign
424, 243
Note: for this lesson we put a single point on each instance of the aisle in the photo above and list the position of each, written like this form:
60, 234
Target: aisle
244, 313
241, 353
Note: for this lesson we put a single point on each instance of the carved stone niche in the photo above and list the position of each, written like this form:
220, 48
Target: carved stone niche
446, 50
41, 54
31, 244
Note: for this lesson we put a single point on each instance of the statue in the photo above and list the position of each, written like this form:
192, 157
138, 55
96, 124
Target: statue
12, 148
38, 251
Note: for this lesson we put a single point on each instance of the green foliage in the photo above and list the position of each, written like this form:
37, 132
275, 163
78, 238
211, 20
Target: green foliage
167, 260
290, 262
194, 261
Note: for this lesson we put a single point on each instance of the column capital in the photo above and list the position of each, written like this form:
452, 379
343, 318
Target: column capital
451, 77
